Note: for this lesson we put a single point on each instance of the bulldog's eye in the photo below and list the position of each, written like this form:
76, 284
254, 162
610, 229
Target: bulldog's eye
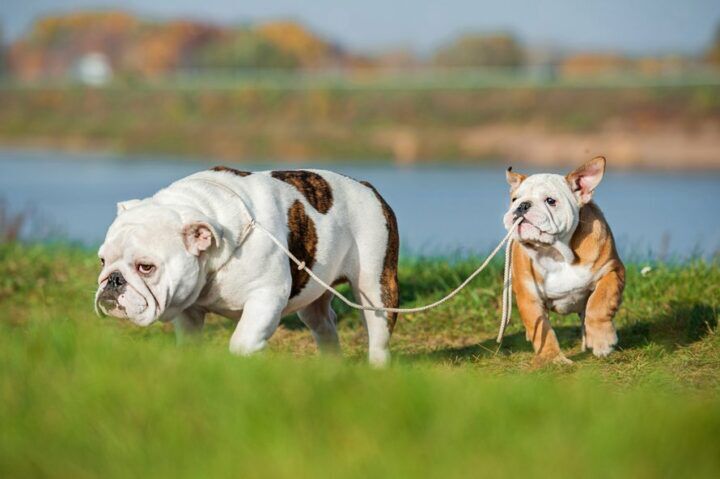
514, 198
145, 268
550, 201
102, 261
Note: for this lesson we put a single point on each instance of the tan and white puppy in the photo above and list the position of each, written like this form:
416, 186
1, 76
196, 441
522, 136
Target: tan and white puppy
177, 255
564, 258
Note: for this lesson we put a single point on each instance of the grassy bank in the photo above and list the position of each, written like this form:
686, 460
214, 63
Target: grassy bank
636, 126
85, 397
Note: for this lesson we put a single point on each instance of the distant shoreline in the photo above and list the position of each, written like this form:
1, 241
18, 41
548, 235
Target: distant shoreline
91, 155
674, 129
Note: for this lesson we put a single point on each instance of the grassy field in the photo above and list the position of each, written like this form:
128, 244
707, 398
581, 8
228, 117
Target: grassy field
89, 397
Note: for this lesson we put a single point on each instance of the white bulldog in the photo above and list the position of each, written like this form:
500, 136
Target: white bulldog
183, 253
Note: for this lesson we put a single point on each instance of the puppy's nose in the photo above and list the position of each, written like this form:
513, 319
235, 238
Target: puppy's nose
522, 208
115, 280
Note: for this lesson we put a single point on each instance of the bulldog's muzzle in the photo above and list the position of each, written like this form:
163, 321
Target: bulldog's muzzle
114, 287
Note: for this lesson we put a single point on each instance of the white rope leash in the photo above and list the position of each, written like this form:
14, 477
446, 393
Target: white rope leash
507, 280
507, 288
301, 266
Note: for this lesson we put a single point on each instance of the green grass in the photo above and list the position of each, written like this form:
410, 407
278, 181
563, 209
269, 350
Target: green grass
86, 397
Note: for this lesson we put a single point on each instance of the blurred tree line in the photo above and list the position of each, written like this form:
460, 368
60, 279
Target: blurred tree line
122, 45
494, 50
3, 50
56, 45
713, 54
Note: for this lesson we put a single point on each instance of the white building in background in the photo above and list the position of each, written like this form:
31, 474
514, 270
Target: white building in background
93, 69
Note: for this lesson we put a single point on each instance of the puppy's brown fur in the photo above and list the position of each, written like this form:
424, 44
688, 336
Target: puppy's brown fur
594, 246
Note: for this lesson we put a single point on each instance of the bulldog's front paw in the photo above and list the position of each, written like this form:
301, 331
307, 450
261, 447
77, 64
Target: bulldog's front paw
601, 338
544, 359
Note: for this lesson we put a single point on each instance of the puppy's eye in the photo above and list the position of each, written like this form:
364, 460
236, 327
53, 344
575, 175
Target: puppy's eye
145, 268
550, 201
102, 261
514, 198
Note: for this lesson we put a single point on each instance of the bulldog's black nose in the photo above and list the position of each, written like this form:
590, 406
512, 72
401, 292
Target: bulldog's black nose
115, 280
523, 208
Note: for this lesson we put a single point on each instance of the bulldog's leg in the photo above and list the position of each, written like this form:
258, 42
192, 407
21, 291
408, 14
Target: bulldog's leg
379, 325
533, 313
601, 307
259, 320
539, 332
320, 318
188, 325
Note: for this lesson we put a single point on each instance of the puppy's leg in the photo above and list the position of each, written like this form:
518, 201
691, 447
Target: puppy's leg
539, 332
188, 325
601, 307
260, 318
320, 318
379, 325
533, 313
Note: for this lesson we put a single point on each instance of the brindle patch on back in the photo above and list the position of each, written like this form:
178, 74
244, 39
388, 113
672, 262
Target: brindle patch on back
313, 187
230, 170
302, 242
388, 278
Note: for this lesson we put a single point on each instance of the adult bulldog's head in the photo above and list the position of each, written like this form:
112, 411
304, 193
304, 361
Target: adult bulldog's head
550, 204
152, 261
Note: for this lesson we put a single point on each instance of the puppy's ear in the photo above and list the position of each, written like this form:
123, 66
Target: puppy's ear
514, 179
585, 179
126, 205
199, 236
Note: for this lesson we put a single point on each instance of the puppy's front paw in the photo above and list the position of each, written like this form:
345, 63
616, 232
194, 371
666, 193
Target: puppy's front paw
601, 338
557, 357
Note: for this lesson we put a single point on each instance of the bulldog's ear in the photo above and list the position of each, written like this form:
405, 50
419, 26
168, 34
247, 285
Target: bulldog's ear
199, 237
514, 179
126, 205
585, 179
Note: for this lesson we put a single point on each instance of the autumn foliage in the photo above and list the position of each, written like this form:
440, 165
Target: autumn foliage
136, 47
299, 42
129, 47
472, 50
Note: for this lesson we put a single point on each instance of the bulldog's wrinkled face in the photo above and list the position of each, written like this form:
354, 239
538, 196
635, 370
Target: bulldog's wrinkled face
550, 204
151, 262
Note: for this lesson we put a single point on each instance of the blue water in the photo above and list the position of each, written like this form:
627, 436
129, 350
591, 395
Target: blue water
440, 209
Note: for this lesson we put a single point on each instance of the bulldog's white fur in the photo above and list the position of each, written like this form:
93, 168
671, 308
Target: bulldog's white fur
175, 256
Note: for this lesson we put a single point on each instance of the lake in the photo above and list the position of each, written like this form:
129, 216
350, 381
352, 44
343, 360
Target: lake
440, 209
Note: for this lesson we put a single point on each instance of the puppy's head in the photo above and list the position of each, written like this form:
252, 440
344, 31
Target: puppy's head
152, 260
550, 204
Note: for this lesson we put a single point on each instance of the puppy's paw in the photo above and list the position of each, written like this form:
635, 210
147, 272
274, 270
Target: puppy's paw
601, 338
544, 359
561, 359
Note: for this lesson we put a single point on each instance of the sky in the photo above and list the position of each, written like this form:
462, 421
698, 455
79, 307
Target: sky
630, 26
